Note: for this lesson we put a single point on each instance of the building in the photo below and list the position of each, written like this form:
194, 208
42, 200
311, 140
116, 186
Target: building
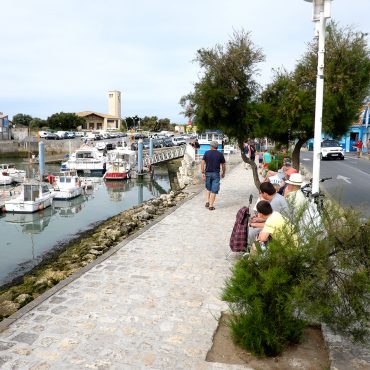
104, 122
5, 133
358, 130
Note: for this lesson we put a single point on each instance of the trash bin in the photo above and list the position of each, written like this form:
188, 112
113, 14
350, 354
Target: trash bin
310, 147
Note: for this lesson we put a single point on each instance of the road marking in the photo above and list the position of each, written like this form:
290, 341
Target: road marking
346, 179
306, 159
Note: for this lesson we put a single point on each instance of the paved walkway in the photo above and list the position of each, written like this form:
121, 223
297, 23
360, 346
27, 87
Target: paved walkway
153, 304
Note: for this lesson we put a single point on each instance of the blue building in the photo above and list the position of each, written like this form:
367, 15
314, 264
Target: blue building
358, 130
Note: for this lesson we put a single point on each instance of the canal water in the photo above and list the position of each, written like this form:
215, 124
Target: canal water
25, 238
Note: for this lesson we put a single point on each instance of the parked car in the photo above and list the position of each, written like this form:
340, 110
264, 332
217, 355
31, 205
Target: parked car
43, 133
69, 135
101, 145
51, 136
79, 133
331, 149
178, 140
167, 141
61, 134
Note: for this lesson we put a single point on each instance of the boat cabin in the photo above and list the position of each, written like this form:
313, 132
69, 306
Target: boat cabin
206, 137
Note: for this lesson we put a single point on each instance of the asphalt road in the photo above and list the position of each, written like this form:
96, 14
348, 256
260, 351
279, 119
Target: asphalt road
350, 185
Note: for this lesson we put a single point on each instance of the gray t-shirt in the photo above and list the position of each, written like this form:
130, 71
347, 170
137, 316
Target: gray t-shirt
279, 204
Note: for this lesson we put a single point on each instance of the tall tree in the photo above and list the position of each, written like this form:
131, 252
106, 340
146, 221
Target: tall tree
65, 121
224, 98
291, 96
22, 119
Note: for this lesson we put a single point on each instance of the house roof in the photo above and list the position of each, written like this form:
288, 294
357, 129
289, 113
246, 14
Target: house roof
89, 113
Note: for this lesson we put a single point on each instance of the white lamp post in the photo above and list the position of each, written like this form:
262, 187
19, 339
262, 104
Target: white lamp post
321, 12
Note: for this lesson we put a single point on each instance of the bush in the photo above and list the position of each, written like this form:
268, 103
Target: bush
325, 278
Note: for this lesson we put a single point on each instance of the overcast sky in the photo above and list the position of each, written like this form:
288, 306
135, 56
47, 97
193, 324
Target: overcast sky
65, 55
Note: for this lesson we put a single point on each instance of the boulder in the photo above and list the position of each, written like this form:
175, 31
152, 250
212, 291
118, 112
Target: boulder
7, 308
23, 298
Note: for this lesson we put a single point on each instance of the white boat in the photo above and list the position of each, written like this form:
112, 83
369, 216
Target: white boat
34, 196
120, 163
9, 169
66, 186
87, 160
5, 180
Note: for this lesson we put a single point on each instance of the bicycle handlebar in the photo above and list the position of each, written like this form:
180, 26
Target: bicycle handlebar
325, 178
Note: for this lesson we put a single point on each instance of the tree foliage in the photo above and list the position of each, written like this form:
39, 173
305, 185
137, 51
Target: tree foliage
22, 119
64, 121
225, 96
290, 99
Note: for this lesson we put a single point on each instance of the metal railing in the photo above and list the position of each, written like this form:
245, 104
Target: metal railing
164, 155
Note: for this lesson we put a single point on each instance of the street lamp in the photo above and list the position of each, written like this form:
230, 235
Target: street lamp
321, 12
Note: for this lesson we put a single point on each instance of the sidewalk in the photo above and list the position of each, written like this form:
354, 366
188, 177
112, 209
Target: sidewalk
153, 304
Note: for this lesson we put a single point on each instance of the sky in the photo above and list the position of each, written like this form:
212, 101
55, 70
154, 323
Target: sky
65, 55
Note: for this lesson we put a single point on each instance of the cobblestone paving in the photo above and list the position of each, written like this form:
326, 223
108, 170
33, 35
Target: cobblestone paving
153, 304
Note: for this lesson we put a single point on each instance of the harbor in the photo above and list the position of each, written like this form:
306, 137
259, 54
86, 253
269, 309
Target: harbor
27, 237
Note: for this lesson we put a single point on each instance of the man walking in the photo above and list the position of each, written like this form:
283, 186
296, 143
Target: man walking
212, 162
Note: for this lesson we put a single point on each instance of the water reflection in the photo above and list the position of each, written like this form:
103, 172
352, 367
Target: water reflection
69, 208
116, 189
31, 223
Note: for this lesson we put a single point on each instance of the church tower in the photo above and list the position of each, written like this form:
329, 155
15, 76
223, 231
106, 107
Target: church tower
114, 103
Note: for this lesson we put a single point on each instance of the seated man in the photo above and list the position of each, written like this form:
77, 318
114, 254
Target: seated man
274, 223
278, 204
280, 173
293, 193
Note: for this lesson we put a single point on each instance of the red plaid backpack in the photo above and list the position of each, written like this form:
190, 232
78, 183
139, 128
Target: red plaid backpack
239, 235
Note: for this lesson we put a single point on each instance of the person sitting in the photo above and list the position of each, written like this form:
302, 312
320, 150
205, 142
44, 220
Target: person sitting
282, 186
293, 193
274, 223
280, 173
278, 204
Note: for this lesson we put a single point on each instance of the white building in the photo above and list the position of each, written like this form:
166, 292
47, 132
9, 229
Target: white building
101, 121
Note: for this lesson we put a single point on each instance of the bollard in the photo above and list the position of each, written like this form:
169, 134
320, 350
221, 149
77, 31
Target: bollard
41, 160
151, 147
140, 156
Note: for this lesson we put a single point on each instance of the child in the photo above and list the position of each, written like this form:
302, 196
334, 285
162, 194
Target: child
260, 159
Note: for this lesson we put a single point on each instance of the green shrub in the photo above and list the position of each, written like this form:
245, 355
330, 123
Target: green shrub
325, 278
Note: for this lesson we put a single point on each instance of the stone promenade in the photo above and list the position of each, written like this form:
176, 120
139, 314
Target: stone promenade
153, 304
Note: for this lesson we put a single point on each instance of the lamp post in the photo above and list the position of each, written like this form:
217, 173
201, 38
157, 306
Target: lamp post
321, 12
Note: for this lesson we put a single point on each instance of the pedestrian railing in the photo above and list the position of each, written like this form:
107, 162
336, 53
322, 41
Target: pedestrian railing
164, 155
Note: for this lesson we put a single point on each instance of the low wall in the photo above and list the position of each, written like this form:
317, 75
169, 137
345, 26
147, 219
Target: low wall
17, 147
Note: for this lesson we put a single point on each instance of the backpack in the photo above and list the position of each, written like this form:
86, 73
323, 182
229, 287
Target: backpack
239, 235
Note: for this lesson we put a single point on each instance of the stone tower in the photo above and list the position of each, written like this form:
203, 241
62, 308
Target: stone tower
114, 103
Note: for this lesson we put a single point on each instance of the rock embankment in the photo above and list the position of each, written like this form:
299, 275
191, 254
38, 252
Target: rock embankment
83, 251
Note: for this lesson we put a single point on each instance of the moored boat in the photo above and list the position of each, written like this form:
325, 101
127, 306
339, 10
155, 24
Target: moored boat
5, 180
66, 186
87, 160
9, 169
34, 196
120, 163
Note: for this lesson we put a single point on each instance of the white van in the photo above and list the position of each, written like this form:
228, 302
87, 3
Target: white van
61, 134
43, 133
178, 140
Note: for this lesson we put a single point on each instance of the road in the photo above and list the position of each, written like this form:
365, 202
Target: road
350, 185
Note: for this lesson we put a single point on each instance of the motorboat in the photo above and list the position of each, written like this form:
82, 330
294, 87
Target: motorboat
66, 186
120, 163
34, 196
87, 160
9, 169
5, 180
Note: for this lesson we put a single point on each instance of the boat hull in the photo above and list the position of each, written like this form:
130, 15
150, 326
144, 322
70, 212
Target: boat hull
67, 194
116, 176
18, 206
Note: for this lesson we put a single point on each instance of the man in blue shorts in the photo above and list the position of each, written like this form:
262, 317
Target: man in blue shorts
212, 162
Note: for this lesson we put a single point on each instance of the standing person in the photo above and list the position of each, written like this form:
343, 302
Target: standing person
252, 151
266, 161
212, 162
358, 146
